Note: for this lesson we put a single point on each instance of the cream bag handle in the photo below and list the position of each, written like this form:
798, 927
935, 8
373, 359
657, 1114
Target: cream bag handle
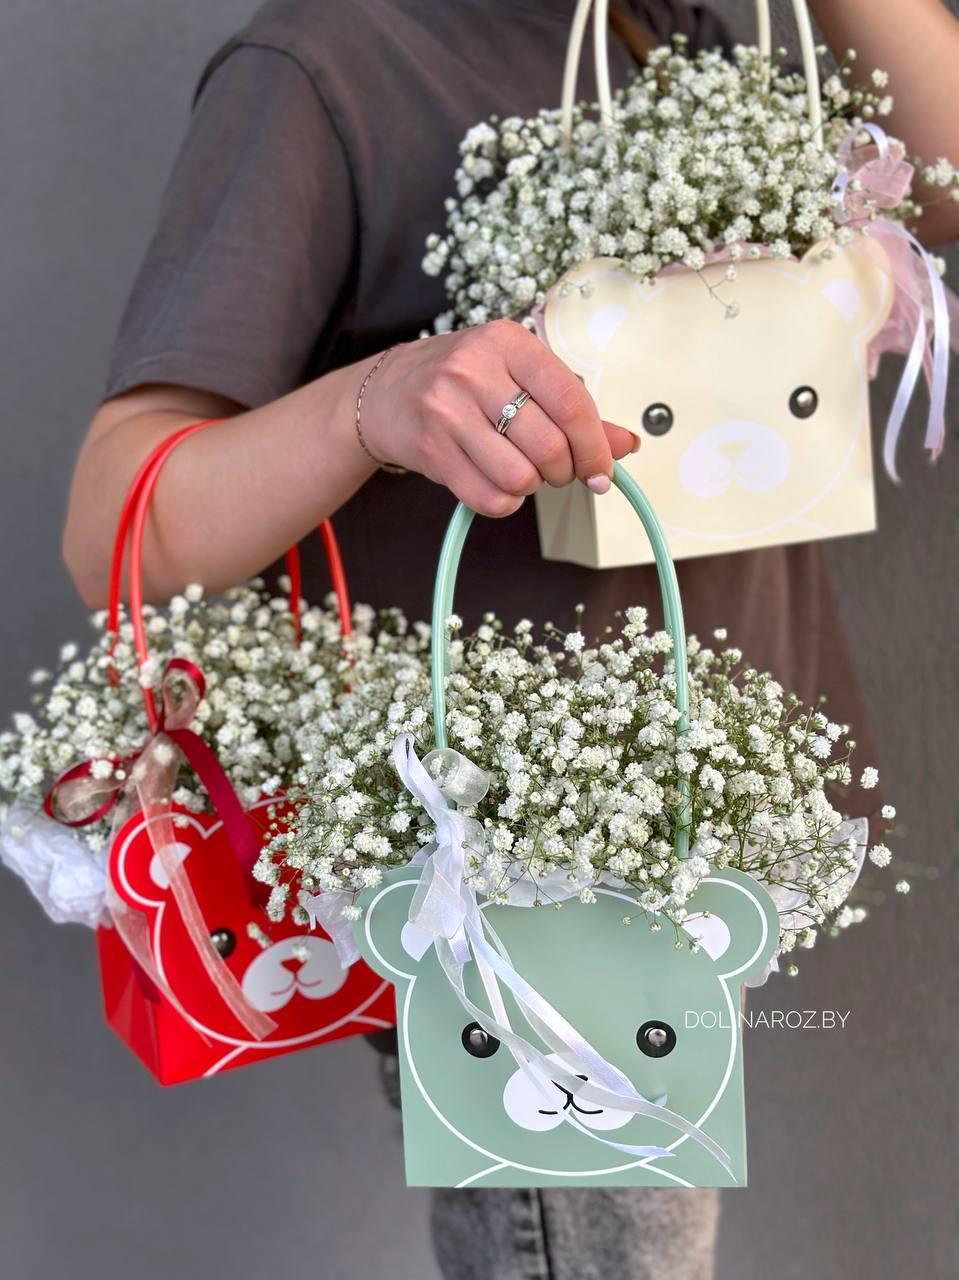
574, 53
600, 8
807, 47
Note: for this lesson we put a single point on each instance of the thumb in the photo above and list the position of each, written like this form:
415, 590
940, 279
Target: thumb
621, 442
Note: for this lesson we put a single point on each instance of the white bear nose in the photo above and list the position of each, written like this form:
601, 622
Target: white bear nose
732, 449
730, 453
533, 1106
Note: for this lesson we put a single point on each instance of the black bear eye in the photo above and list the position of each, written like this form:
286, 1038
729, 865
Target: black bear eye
656, 1039
657, 419
479, 1042
803, 402
224, 941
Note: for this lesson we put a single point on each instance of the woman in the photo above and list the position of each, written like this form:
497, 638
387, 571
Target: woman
285, 264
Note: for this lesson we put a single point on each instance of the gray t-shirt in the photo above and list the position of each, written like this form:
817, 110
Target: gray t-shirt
319, 155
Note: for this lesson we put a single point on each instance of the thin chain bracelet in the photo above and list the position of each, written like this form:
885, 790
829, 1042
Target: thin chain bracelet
391, 467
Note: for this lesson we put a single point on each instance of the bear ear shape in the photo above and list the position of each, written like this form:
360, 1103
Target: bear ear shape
136, 872
735, 922
384, 937
603, 324
586, 309
856, 279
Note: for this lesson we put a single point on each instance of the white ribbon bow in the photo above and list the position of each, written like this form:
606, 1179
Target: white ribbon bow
446, 908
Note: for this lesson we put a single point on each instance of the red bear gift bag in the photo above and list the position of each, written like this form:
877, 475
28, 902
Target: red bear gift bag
180, 1023
196, 977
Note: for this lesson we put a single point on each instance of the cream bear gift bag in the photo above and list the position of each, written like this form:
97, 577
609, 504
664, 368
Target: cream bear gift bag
744, 368
754, 428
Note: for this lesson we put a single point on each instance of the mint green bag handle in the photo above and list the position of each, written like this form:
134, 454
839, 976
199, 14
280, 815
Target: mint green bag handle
446, 572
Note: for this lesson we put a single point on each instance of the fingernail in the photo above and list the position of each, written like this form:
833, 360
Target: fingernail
636, 443
599, 484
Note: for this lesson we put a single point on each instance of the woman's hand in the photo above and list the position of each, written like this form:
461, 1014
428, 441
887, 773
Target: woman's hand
433, 405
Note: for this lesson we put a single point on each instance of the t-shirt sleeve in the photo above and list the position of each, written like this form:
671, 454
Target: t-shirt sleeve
255, 241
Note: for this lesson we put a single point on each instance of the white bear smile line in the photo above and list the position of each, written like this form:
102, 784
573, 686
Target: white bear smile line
296, 984
571, 1102
586, 1111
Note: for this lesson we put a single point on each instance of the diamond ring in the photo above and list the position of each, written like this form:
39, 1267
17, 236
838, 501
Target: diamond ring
510, 410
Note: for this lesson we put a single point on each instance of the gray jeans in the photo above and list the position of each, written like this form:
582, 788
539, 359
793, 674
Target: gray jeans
572, 1234
569, 1234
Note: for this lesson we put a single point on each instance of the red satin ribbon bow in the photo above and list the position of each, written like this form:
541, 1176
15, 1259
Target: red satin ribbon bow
181, 690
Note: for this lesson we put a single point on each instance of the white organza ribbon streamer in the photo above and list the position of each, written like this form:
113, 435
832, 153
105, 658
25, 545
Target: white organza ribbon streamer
326, 910
445, 907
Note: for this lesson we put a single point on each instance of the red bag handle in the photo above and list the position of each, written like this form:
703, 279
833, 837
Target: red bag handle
132, 524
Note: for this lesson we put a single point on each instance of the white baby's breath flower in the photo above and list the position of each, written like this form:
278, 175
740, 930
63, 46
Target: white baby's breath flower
880, 855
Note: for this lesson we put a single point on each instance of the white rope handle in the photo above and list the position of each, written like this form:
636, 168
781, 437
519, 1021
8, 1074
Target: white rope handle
807, 47
574, 53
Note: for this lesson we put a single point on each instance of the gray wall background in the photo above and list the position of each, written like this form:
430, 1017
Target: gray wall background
295, 1167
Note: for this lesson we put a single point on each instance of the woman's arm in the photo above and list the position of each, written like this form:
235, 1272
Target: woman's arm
235, 496
917, 42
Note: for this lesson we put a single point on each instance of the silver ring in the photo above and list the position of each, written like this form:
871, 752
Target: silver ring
510, 410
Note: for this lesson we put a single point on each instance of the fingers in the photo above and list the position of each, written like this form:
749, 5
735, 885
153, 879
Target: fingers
443, 460
621, 441
510, 468
484, 495
460, 384
562, 397
546, 445
532, 435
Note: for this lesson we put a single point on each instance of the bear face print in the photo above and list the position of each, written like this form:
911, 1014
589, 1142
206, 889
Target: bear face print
754, 429
296, 980
666, 1018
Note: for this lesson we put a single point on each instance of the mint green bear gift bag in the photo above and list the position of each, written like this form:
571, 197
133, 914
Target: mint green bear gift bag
571, 1046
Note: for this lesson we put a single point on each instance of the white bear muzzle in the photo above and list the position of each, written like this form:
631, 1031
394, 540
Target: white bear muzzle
527, 1106
280, 972
734, 453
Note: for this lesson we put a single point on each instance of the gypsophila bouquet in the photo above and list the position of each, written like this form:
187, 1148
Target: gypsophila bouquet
262, 691
702, 154
581, 746
336, 843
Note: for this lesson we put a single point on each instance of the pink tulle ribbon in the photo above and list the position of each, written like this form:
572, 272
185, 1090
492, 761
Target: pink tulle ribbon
920, 322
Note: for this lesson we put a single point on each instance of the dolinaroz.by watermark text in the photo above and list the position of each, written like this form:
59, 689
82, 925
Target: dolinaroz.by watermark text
770, 1019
